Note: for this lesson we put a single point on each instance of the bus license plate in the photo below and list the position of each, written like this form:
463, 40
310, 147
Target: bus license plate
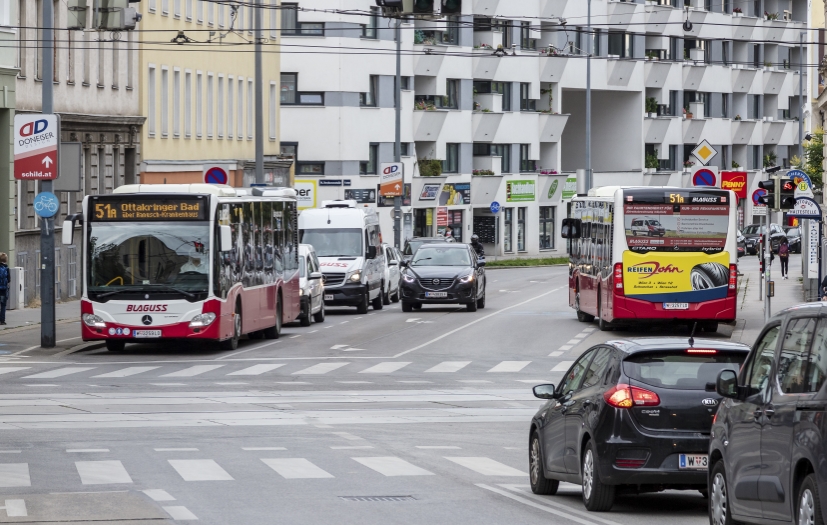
141, 334
676, 306
693, 461
328, 297
436, 295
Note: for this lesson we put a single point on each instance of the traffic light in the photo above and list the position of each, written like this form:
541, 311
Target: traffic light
421, 8
787, 195
451, 7
769, 199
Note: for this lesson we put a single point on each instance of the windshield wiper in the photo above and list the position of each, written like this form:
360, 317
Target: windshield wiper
185, 293
113, 292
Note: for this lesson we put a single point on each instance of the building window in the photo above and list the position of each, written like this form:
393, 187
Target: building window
176, 103
310, 168
188, 9
274, 28
369, 99
451, 162
272, 111
521, 213
220, 107
188, 104
210, 105
547, 216
369, 29
725, 46
449, 101
164, 102
199, 11
165, 7
291, 97
289, 149
527, 40
250, 102
291, 26
451, 34
230, 107
526, 102
503, 151
621, 45
176, 8
455, 223
503, 88
370, 166
199, 104
526, 164
508, 230
240, 119
151, 101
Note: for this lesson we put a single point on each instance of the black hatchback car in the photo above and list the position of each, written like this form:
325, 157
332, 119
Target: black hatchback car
630, 416
446, 273
769, 440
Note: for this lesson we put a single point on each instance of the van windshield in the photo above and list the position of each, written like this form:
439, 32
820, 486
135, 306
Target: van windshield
334, 242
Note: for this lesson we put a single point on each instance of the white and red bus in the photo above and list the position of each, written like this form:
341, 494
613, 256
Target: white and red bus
187, 262
653, 253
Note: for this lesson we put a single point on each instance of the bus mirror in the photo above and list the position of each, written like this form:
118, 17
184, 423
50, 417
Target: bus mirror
571, 229
68, 232
371, 252
226, 238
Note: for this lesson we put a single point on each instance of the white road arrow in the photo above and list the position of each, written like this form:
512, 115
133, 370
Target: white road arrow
47, 161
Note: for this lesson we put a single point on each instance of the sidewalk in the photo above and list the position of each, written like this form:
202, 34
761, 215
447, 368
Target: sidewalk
31, 316
751, 309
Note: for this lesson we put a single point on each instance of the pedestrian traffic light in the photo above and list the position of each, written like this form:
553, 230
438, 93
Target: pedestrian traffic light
451, 7
770, 199
787, 195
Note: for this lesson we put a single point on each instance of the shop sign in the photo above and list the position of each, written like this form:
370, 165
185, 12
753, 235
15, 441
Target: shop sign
735, 181
455, 194
570, 188
519, 190
442, 216
361, 196
429, 192
306, 191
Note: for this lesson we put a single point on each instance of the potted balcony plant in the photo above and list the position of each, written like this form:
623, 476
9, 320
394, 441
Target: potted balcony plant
771, 16
735, 165
651, 107
687, 166
430, 167
652, 162
737, 12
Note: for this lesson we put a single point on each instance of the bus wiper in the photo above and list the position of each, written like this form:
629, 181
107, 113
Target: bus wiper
172, 289
113, 292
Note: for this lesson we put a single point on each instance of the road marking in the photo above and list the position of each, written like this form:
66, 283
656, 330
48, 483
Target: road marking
510, 366
555, 354
9, 369
353, 447
353, 350
168, 384
296, 468
312, 331
86, 450
15, 508
472, 381
42, 385
524, 490
392, 467
193, 371
60, 372
14, 475
232, 383
487, 466
530, 503
566, 348
412, 320
338, 347
295, 336
355, 382
348, 436
175, 449
130, 371
416, 382
158, 495
385, 368
589, 330
256, 449
255, 370
180, 513
11, 451
448, 366
102, 472
321, 368
357, 317
69, 339
247, 350
344, 322
199, 470
573, 342
562, 366
472, 323
438, 447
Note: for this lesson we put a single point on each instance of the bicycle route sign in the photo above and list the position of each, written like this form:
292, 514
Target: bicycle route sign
46, 204
36, 140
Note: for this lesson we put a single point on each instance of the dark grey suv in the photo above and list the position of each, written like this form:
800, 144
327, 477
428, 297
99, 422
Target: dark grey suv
768, 455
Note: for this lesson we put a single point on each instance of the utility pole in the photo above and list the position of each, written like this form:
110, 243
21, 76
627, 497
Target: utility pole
397, 147
47, 225
593, 43
259, 96
801, 95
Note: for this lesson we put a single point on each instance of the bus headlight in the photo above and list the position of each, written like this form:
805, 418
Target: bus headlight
356, 277
202, 320
93, 321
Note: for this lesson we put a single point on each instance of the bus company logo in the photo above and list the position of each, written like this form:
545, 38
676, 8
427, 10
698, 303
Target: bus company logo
648, 269
146, 308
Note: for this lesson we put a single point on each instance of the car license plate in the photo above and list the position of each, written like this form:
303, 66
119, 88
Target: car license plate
693, 461
676, 306
328, 297
436, 295
146, 333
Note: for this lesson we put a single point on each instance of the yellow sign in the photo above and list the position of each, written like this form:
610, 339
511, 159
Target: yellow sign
704, 152
306, 191
676, 277
131, 208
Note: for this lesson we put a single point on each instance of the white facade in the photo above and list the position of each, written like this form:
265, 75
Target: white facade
503, 123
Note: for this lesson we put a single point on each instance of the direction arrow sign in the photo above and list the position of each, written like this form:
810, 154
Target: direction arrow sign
391, 179
36, 139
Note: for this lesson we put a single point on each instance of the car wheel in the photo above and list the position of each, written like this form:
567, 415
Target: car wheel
319, 316
481, 301
809, 507
386, 296
379, 302
274, 332
115, 346
539, 483
583, 317
416, 306
362, 307
232, 342
407, 307
719, 511
602, 324
597, 496
472, 306
395, 298
307, 319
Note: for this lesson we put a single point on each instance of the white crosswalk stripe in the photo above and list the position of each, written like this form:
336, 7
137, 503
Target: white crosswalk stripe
102, 472
510, 366
10, 369
487, 466
256, 370
296, 468
129, 371
384, 368
200, 470
392, 466
193, 371
14, 475
562, 366
60, 372
319, 369
449, 366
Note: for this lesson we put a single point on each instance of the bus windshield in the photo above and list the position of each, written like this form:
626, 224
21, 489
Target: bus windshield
133, 257
334, 242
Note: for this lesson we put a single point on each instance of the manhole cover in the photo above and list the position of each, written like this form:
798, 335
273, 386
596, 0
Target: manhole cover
378, 498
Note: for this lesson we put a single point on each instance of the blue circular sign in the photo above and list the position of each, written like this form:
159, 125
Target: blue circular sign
704, 177
216, 175
495, 207
46, 204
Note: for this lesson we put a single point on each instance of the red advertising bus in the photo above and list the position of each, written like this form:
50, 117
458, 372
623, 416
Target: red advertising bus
187, 262
653, 253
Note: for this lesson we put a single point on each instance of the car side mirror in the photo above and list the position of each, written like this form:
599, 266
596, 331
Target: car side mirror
571, 229
481, 263
545, 392
727, 384
393, 263
371, 253
315, 276
403, 263
226, 238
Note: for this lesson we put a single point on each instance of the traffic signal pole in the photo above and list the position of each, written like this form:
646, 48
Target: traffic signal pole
47, 225
397, 146
259, 120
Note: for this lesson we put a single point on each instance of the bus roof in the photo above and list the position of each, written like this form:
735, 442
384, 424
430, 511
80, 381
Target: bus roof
218, 190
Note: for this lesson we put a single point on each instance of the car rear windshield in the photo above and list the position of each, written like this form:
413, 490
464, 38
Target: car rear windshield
680, 369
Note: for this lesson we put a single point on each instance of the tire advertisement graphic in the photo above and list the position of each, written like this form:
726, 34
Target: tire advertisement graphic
676, 277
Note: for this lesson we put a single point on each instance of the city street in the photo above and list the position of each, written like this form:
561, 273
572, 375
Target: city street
384, 417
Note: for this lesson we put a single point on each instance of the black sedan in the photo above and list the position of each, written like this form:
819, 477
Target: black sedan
630, 416
411, 245
448, 273
794, 239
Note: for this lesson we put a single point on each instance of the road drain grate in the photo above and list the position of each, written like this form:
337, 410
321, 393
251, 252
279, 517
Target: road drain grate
378, 498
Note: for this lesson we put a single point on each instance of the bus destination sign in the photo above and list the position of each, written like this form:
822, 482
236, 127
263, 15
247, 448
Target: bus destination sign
149, 209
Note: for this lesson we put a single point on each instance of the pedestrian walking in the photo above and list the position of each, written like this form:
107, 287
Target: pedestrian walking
784, 256
4, 286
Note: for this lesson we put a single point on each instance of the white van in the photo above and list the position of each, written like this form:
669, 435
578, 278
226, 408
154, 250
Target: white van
311, 287
348, 243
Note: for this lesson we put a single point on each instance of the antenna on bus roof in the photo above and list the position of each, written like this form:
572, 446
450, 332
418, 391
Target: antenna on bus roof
692, 334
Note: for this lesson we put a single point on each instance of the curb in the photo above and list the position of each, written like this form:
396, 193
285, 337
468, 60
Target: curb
33, 325
91, 345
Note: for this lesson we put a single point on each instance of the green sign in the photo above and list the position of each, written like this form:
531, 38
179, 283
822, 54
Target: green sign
519, 190
552, 189
570, 189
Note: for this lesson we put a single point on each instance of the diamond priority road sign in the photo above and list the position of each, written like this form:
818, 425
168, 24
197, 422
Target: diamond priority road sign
36, 139
704, 152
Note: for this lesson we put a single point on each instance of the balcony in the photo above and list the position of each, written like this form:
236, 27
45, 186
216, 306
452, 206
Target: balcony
488, 38
656, 73
552, 68
657, 18
428, 124
493, 165
742, 80
693, 75
485, 64
488, 102
773, 131
742, 131
485, 126
743, 27
427, 65
552, 126
654, 129
693, 130
774, 81
621, 14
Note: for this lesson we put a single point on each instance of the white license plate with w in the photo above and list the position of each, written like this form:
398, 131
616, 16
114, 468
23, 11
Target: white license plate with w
693, 461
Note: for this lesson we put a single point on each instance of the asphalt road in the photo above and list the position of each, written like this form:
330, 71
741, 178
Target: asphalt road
387, 418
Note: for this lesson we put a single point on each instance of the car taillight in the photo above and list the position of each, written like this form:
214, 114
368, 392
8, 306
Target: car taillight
627, 396
629, 463
733, 280
618, 278
703, 351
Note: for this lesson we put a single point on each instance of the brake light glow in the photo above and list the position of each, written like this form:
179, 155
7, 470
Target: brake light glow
627, 396
703, 351
629, 463
733, 280
618, 278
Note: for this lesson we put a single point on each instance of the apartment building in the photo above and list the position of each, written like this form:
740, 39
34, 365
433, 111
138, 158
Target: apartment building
198, 96
96, 96
8, 74
483, 123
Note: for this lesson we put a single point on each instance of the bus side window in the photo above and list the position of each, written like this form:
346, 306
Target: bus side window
267, 240
291, 252
237, 254
278, 240
249, 254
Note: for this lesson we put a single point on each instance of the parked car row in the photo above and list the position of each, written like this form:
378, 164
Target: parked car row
744, 427
749, 238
